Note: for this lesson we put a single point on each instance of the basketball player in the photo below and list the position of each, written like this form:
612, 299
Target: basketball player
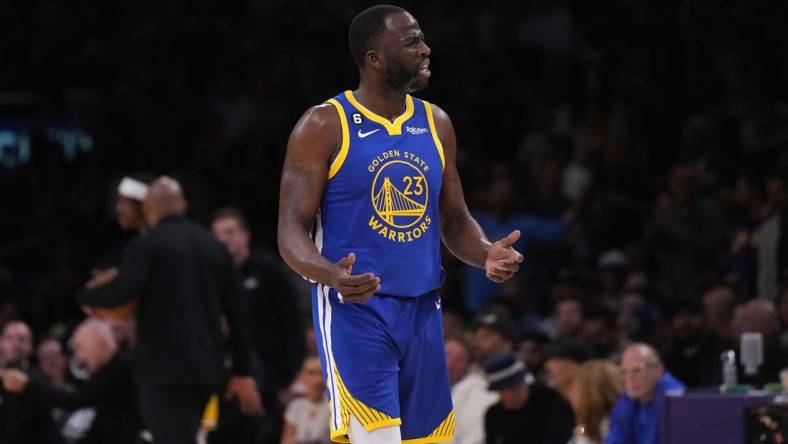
132, 191
369, 189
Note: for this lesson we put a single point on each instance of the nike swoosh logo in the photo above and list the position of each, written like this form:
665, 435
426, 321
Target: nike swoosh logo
368, 133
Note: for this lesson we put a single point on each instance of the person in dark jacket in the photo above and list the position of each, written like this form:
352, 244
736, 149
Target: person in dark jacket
22, 420
182, 280
528, 411
277, 329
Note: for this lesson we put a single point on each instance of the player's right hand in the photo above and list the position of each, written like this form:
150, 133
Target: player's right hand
357, 288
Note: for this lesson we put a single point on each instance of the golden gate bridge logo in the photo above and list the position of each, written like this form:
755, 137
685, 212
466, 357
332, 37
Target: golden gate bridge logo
399, 194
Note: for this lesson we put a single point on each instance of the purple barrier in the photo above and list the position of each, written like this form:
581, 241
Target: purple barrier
707, 417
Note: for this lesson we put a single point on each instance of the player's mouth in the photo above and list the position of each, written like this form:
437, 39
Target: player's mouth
424, 68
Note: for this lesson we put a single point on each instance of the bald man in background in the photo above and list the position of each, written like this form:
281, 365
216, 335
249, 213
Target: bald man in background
636, 415
184, 281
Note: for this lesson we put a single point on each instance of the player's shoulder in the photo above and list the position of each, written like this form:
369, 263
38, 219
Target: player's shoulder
443, 125
318, 131
438, 114
323, 116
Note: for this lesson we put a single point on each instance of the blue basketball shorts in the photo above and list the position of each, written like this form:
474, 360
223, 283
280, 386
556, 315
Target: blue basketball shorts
384, 363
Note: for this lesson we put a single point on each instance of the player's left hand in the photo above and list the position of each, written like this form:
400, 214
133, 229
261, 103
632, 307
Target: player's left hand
245, 389
503, 261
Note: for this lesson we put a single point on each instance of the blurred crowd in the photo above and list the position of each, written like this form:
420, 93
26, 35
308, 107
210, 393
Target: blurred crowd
642, 149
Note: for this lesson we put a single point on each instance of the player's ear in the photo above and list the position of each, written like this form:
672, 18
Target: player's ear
373, 58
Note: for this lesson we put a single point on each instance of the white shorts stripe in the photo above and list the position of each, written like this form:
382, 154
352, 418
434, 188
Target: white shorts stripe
330, 357
321, 301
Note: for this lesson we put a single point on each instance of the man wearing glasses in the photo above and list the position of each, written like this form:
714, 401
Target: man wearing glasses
636, 414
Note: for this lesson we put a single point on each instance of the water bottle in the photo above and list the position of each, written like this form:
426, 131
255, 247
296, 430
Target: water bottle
751, 352
729, 376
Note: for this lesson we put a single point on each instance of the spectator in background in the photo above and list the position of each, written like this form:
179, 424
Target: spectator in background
770, 238
640, 318
310, 342
306, 417
110, 388
271, 304
53, 369
760, 316
563, 363
719, 303
686, 236
596, 389
52, 362
528, 412
744, 213
693, 355
495, 333
16, 345
612, 267
636, 415
453, 323
469, 393
531, 351
272, 312
545, 198
568, 318
601, 330
22, 420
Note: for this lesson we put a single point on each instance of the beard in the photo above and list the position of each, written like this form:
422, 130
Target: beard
402, 79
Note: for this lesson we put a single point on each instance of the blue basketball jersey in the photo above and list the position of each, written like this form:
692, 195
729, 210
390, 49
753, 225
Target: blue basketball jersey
382, 197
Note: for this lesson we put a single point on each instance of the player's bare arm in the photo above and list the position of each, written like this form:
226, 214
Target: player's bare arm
460, 232
312, 145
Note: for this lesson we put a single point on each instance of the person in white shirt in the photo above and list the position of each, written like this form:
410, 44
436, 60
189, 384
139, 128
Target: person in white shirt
306, 417
468, 393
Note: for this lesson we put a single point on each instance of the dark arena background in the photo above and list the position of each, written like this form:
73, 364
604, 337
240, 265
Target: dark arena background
641, 147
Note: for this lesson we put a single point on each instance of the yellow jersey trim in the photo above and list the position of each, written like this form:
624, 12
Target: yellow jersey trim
340, 159
443, 433
393, 128
370, 418
434, 132
210, 415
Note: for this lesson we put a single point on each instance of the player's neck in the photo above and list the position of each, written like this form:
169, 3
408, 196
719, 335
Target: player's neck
381, 100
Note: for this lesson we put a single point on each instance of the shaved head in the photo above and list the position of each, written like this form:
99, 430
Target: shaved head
94, 344
165, 198
97, 329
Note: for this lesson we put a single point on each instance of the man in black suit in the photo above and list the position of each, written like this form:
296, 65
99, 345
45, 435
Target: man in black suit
183, 280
